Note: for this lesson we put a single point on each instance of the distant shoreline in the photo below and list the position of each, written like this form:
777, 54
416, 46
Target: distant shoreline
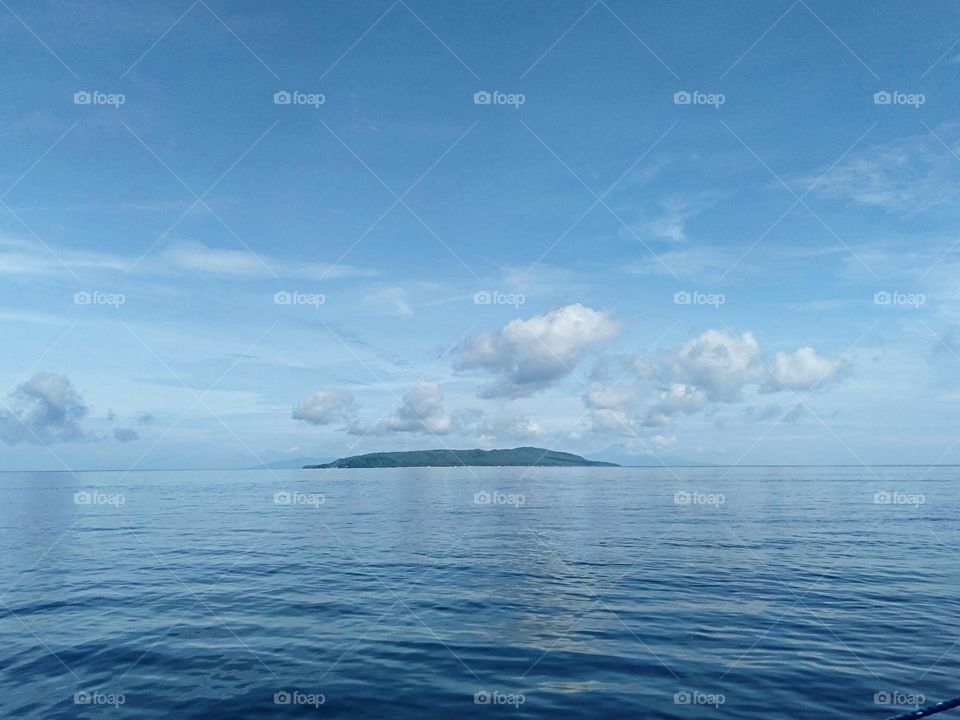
260, 468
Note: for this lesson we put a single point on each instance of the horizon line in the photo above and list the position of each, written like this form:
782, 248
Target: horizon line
552, 467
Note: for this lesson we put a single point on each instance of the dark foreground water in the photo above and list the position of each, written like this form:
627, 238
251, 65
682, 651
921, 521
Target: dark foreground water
487, 593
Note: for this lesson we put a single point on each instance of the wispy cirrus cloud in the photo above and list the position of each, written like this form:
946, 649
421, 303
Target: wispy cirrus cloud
30, 258
242, 263
903, 175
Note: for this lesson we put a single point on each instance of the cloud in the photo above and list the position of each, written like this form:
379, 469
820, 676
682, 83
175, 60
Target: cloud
511, 425
390, 300
668, 218
145, 418
716, 363
244, 263
325, 407
606, 421
678, 398
695, 263
712, 368
671, 223
903, 175
664, 441
22, 258
803, 369
421, 411
717, 367
123, 434
46, 409
27, 316
601, 396
611, 406
528, 356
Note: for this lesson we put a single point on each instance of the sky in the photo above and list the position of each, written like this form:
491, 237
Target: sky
235, 233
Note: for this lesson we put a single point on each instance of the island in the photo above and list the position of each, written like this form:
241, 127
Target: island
515, 457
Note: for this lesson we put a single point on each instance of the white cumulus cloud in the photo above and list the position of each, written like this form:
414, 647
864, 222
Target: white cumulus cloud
530, 355
325, 407
421, 410
717, 363
512, 425
46, 409
803, 369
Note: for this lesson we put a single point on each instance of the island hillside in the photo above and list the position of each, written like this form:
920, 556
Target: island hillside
523, 456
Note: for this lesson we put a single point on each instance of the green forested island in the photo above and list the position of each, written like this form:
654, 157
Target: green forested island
522, 456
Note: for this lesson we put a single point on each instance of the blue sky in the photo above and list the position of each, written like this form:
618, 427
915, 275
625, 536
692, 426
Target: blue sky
764, 274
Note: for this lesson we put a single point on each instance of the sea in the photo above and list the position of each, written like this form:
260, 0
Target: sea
674, 593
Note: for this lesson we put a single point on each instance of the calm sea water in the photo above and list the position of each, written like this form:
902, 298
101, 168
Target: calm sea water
487, 593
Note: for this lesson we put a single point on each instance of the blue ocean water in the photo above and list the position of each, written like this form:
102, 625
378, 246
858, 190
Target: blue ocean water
480, 592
